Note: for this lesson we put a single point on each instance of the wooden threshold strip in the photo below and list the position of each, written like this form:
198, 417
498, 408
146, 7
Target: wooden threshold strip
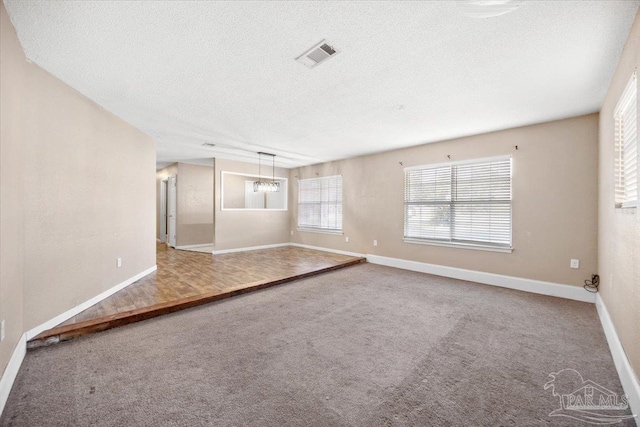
67, 332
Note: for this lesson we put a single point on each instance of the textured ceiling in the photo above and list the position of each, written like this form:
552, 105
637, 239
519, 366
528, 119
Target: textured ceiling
407, 73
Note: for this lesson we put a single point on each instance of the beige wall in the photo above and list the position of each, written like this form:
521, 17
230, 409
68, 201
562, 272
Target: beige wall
160, 175
195, 205
88, 185
234, 191
239, 229
13, 67
554, 199
89, 198
619, 229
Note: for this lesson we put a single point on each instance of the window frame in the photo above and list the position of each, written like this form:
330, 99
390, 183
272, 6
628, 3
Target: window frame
324, 230
628, 97
477, 245
284, 189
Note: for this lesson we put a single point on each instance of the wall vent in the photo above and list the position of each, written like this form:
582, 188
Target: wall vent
317, 54
208, 144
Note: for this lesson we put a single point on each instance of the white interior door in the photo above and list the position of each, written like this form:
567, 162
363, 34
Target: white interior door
163, 210
172, 202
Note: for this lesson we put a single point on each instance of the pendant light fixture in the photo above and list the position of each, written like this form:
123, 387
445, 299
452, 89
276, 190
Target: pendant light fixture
266, 186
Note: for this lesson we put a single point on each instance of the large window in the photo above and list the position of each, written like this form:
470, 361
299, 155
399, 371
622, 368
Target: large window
320, 204
461, 204
626, 140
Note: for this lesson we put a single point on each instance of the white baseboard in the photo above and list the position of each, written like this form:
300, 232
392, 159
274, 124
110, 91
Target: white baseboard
626, 373
335, 251
194, 246
11, 371
249, 248
528, 285
79, 308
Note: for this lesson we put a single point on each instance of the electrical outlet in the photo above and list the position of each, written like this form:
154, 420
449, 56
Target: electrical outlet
575, 263
2, 330
118, 262
292, 232
346, 239
375, 243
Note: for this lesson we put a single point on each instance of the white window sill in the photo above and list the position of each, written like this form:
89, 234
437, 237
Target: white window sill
253, 210
319, 230
478, 247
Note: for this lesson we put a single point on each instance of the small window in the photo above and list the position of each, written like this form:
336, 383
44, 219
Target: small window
320, 204
460, 204
626, 144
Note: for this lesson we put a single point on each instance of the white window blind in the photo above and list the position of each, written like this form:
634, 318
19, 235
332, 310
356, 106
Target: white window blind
626, 140
320, 204
466, 203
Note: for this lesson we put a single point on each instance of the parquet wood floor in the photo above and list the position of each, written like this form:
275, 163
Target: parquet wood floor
187, 279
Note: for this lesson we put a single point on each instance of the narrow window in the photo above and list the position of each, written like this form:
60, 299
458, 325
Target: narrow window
626, 145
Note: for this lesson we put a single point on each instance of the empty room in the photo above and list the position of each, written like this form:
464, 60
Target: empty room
319, 213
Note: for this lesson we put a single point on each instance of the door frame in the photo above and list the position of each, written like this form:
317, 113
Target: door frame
164, 185
172, 219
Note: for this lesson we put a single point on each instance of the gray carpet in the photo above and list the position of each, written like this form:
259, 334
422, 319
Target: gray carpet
362, 346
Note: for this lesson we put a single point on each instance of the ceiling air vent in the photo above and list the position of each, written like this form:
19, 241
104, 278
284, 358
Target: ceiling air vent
317, 54
208, 144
